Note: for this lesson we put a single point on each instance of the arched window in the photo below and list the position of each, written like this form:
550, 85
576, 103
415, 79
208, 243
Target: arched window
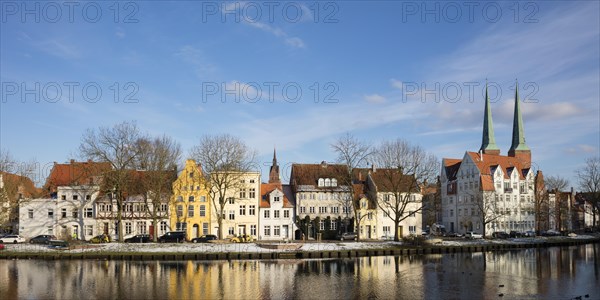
327, 182
333, 182
191, 199
321, 182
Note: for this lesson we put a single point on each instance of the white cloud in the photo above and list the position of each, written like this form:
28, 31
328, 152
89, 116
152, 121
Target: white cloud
374, 98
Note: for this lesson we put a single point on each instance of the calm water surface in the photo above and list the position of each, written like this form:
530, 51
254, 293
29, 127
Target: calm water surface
551, 273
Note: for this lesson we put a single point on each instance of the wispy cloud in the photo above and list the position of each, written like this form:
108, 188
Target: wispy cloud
374, 98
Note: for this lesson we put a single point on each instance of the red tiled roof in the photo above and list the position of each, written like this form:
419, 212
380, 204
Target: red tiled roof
267, 188
19, 184
75, 173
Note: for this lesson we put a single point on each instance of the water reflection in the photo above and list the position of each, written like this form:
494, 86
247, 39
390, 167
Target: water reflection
560, 272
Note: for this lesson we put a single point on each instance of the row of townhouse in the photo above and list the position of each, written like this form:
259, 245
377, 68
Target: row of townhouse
315, 202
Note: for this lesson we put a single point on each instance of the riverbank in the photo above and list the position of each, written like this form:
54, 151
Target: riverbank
327, 249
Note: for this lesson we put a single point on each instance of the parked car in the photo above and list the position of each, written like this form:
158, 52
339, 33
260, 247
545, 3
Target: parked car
473, 235
515, 234
204, 239
1, 246
173, 237
103, 238
140, 238
42, 239
452, 234
245, 238
529, 233
550, 233
12, 238
500, 235
347, 236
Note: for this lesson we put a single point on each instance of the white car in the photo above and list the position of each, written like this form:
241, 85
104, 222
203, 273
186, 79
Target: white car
12, 238
473, 235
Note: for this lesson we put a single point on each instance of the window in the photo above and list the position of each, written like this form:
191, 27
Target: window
89, 230
267, 230
252, 181
276, 230
231, 200
252, 193
252, 210
179, 211
459, 212
333, 225
202, 198
267, 214
286, 213
311, 209
327, 182
75, 197
253, 230
179, 199
190, 211
63, 213
276, 214
204, 228
232, 214
191, 174
191, 199
181, 226
88, 212
127, 227
30, 213
276, 199
75, 214
231, 231
335, 210
242, 193
346, 209
302, 209
50, 230
412, 229
333, 182
322, 209
141, 227
202, 211
321, 182
164, 207
63, 197
163, 227
322, 225
452, 212
50, 213
370, 216
242, 210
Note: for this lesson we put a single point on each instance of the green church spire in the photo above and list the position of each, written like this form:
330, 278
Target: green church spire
518, 134
488, 142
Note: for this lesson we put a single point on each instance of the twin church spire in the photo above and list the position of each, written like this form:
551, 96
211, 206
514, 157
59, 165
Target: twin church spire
518, 148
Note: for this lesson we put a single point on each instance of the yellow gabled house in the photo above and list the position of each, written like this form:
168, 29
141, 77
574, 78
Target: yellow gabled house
190, 203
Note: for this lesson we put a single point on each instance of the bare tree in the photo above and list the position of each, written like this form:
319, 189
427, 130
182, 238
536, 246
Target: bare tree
488, 208
158, 159
225, 159
403, 168
117, 145
589, 183
554, 183
352, 153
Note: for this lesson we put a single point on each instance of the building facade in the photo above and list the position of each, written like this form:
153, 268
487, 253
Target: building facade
485, 191
190, 204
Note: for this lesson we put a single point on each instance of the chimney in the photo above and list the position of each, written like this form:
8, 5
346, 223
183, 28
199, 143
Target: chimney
359, 176
480, 155
72, 161
324, 164
373, 169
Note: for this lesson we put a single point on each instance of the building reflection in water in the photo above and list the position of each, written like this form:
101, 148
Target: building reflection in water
564, 272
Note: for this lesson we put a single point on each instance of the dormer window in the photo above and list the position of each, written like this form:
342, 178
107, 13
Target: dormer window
276, 199
321, 182
327, 182
333, 182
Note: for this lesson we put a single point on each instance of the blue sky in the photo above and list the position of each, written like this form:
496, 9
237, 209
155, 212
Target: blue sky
382, 69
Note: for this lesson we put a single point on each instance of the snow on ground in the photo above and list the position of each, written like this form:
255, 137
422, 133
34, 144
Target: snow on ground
254, 248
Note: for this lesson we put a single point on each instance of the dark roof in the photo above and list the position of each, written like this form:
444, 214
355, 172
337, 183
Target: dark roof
391, 180
309, 174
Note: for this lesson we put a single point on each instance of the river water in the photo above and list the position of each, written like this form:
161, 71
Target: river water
549, 273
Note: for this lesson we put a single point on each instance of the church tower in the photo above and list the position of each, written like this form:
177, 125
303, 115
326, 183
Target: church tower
488, 141
518, 148
274, 172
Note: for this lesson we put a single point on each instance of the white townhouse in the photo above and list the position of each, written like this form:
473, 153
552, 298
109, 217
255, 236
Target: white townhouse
276, 218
